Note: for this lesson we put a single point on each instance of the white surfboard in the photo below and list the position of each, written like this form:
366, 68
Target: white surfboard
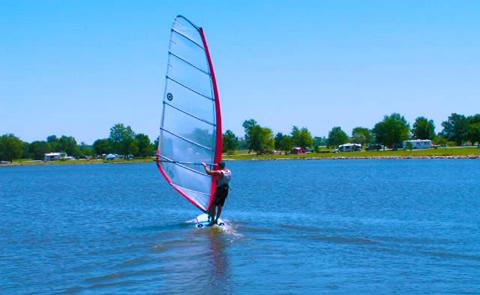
202, 221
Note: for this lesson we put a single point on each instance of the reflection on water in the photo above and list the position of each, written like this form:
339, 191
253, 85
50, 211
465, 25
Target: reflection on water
185, 258
218, 270
196, 260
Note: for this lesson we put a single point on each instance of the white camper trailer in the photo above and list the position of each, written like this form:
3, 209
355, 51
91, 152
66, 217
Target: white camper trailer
417, 144
349, 147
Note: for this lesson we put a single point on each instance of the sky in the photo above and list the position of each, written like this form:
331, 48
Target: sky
78, 67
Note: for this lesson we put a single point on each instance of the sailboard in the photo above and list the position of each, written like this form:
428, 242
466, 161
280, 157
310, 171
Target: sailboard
202, 220
191, 124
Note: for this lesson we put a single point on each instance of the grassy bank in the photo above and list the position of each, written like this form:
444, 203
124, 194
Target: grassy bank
454, 152
25, 162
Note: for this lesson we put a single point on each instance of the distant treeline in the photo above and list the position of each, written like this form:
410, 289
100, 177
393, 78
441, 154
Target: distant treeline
122, 140
391, 132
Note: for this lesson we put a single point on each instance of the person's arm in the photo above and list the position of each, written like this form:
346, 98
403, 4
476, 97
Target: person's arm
210, 171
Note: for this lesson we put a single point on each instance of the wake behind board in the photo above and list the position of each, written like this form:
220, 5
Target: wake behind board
202, 221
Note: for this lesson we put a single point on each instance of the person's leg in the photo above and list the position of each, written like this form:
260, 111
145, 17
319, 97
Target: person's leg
221, 202
210, 215
212, 221
219, 212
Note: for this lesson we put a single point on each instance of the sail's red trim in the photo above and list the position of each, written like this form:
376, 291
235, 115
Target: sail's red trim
160, 168
218, 117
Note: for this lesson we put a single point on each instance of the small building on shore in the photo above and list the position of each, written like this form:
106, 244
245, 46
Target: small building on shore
54, 156
417, 144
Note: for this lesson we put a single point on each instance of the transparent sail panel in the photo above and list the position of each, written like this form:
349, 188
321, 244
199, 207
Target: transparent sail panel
188, 129
191, 78
201, 198
182, 98
189, 51
194, 185
186, 28
176, 149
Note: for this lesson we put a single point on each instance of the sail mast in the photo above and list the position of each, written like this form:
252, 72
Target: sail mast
218, 115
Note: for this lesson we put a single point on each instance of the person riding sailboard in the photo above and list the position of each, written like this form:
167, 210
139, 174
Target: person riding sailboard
191, 122
223, 177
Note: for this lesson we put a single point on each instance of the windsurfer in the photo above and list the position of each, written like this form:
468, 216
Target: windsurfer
223, 176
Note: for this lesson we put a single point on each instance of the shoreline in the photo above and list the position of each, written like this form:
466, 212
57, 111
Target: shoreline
471, 157
76, 162
257, 158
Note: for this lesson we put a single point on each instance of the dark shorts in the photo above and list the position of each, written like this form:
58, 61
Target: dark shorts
220, 195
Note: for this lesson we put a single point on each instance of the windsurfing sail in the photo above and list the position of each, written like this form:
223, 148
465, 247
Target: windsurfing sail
191, 126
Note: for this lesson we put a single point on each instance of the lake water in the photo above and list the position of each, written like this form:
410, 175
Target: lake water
330, 226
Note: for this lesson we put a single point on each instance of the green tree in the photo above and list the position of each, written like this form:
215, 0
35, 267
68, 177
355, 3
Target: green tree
86, 150
392, 130
144, 144
409, 146
155, 144
68, 144
38, 149
121, 138
242, 144
102, 146
336, 137
53, 142
11, 147
230, 141
473, 133
456, 128
285, 144
362, 135
278, 139
255, 138
261, 139
26, 150
423, 128
301, 137
133, 149
249, 126
439, 139
320, 141
268, 141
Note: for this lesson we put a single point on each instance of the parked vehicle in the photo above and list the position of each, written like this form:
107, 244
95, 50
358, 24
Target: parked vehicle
298, 150
349, 147
111, 157
375, 147
417, 144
